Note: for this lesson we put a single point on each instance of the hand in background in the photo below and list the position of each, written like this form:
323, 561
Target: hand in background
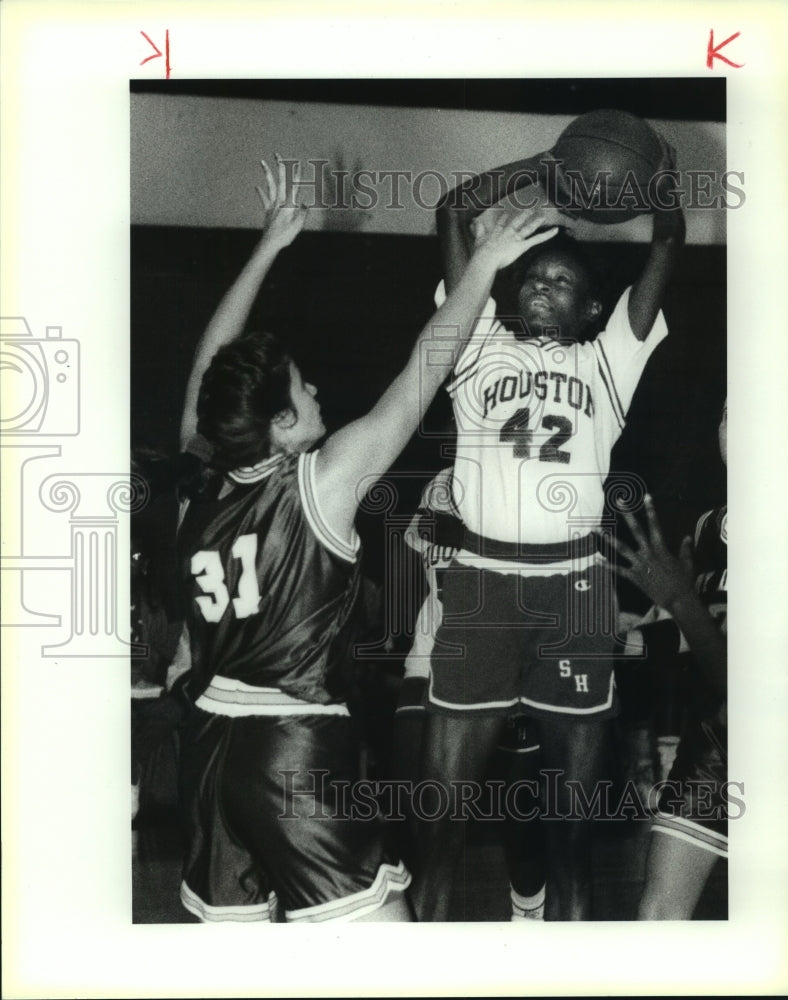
663, 577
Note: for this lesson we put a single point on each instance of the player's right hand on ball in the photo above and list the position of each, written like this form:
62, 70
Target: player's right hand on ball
283, 217
511, 236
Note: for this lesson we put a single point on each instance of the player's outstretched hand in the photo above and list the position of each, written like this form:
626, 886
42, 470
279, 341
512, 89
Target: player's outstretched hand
283, 217
662, 576
511, 236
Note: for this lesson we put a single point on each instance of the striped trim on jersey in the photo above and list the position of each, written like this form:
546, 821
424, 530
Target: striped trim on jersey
705, 518
231, 697
347, 550
390, 878
254, 473
253, 913
606, 375
692, 833
467, 364
701, 524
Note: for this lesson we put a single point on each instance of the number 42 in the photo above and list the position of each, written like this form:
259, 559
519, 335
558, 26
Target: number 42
207, 568
516, 430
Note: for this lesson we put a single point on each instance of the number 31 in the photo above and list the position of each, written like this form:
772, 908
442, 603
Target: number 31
207, 568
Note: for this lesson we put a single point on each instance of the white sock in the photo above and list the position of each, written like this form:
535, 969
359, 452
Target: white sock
528, 907
666, 752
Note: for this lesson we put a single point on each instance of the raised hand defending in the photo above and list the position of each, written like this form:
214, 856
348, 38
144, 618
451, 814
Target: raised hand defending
511, 236
283, 217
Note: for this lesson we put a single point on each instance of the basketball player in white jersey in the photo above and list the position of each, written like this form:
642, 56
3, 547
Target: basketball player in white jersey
528, 598
435, 534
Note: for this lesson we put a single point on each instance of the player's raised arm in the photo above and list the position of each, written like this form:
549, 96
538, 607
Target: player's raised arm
283, 220
648, 292
367, 446
466, 202
669, 582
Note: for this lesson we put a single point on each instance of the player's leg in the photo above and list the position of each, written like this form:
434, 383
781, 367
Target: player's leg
575, 749
690, 827
472, 687
457, 751
571, 675
516, 763
408, 733
676, 872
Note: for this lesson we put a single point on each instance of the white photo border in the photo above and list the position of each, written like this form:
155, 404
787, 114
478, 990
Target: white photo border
66, 68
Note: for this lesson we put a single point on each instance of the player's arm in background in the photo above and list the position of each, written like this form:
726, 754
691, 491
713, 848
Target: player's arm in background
367, 447
457, 211
670, 582
283, 220
667, 239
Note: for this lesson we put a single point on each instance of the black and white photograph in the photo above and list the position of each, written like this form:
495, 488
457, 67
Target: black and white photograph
510, 747
411, 413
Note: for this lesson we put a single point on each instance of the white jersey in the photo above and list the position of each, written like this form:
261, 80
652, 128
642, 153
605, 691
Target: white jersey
433, 533
536, 421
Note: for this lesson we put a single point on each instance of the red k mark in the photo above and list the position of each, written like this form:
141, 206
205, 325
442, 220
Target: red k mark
157, 53
713, 51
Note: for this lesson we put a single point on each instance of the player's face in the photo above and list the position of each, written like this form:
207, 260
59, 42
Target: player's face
299, 428
555, 294
723, 434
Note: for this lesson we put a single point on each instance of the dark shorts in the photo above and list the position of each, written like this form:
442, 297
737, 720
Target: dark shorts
268, 811
696, 802
519, 734
540, 645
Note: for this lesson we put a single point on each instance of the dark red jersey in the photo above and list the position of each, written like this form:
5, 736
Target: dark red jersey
272, 593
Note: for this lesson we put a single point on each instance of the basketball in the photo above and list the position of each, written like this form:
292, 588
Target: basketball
612, 157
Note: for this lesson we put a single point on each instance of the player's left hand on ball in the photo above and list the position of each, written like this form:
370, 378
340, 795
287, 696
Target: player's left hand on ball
668, 158
511, 236
283, 217
667, 196
662, 576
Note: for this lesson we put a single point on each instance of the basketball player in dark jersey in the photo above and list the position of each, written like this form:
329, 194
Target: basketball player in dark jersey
270, 563
690, 825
